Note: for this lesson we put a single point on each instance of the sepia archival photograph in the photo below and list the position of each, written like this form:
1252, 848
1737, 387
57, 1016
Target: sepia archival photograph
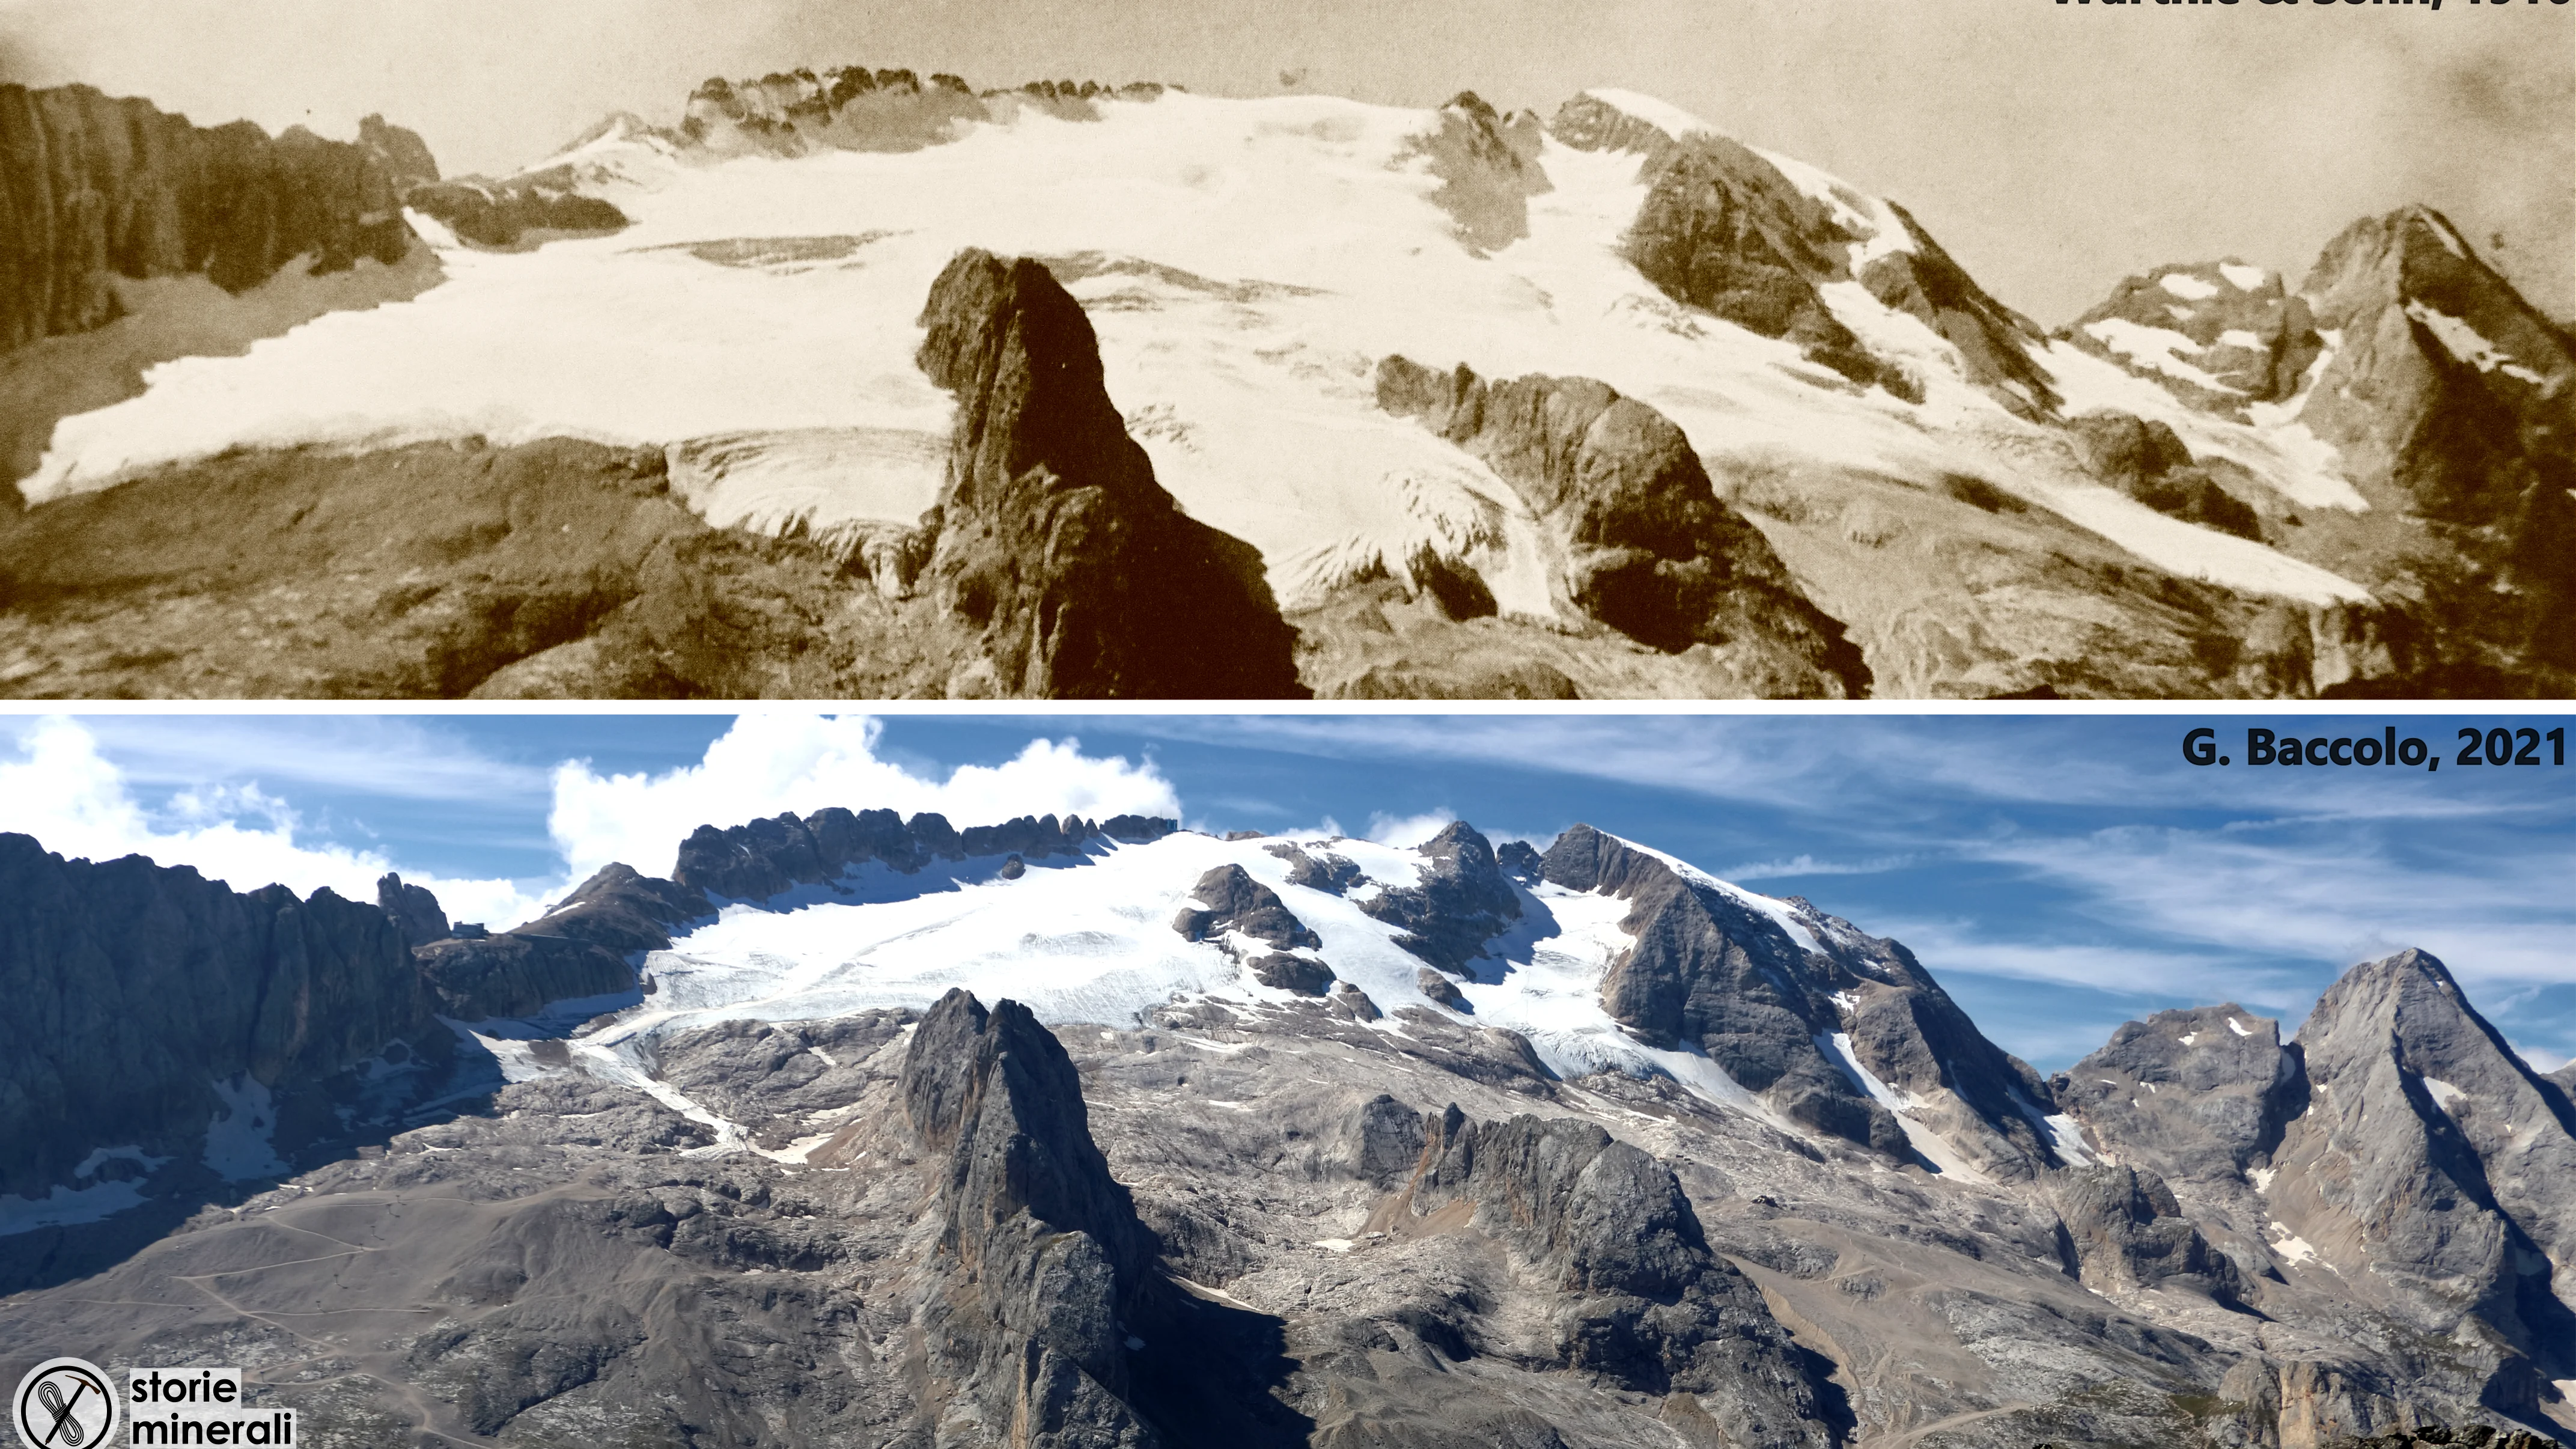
1499, 1081
1714, 349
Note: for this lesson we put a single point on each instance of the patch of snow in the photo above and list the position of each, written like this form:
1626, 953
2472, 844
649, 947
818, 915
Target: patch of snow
1845, 1000
2238, 1027
2262, 1177
64, 1207
102, 1156
2444, 1094
1336, 1245
2188, 1038
2239, 337
2158, 348
2187, 287
2068, 1138
798, 1150
2243, 278
1930, 1145
2467, 344
240, 1142
2290, 1245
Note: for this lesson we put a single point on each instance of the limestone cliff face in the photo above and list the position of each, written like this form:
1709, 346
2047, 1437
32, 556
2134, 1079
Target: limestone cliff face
770, 857
1077, 574
94, 187
1797, 1023
1040, 1258
134, 987
2433, 1168
1653, 1308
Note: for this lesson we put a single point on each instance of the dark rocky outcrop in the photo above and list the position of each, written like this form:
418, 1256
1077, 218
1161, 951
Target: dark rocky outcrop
1724, 230
2193, 1094
133, 987
503, 213
2126, 1232
1488, 169
1317, 869
585, 947
1040, 1258
1654, 1310
413, 909
1227, 899
95, 188
518, 973
770, 857
2149, 462
623, 911
1076, 573
1714, 971
1460, 901
854, 108
1647, 546
402, 155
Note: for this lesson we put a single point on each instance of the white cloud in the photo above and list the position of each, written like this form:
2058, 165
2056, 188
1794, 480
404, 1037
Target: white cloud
1407, 830
1803, 864
2542, 1059
768, 764
63, 790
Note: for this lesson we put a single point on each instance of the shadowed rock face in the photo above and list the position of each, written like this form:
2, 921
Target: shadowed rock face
769, 857
1655, 1310
2149, 462
1460, 903
1079, 573
93, 188
1040, 1255
1712, 971
401, 154
1724, 230
502, 213
2432, 1165
2128, 1233
1644, 543
413, 909
516, 974
134, 986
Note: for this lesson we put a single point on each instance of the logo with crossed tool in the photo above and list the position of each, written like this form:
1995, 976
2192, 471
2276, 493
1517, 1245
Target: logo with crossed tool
65, 1403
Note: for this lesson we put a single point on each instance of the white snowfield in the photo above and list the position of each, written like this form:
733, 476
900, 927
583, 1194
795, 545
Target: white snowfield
1246, 263
1108, 955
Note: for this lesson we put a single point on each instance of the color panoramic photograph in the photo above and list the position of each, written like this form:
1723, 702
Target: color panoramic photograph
1195, 1079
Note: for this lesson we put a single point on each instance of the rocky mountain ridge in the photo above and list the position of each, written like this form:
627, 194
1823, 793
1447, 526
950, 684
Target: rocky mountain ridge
1388, 1213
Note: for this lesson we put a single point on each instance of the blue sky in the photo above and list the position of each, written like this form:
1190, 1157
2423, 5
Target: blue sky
2060, 874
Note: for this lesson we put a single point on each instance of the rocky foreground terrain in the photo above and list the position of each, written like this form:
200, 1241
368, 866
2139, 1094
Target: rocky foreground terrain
862, 1130
860, 384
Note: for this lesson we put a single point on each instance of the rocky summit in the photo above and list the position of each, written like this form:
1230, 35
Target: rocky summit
871, 383
859, 1128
